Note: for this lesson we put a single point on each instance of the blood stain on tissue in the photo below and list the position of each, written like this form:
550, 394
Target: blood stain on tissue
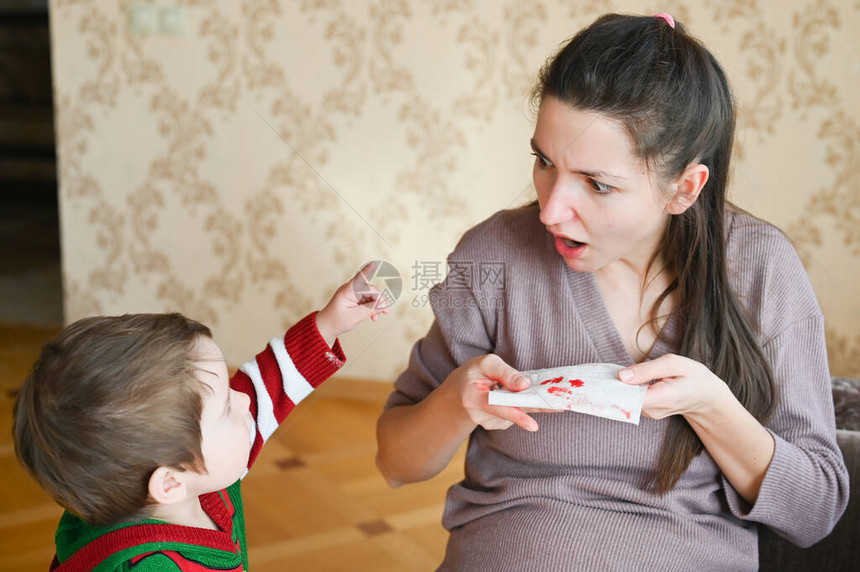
558, 390
624, 411
553, 380
577, 382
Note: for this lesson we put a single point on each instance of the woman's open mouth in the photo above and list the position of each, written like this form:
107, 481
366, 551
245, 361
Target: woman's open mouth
569, 248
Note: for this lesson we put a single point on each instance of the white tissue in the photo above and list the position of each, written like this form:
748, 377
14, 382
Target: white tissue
592, 388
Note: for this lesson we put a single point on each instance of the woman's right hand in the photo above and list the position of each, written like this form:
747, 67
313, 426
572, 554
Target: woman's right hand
417, 441
476, 378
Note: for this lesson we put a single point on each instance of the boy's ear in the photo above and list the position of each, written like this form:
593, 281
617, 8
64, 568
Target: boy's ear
167, 485
687, 187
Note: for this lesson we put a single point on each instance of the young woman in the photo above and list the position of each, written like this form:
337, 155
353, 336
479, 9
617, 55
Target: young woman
631, 255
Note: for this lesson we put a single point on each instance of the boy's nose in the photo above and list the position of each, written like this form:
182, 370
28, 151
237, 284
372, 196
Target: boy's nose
245, 400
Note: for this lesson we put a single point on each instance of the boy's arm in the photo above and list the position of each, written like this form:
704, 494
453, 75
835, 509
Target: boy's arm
283, 374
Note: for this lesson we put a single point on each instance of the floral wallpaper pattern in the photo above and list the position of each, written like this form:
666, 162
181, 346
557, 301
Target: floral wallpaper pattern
239, 171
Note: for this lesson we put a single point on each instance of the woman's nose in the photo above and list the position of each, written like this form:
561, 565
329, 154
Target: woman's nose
557, 207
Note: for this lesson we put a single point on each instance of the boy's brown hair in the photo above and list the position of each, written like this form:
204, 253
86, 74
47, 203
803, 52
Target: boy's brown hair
110, 400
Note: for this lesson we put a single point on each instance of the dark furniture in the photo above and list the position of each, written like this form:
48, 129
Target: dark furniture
841, 549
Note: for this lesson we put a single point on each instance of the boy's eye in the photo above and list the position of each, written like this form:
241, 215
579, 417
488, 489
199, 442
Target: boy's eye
600, 188
542, 161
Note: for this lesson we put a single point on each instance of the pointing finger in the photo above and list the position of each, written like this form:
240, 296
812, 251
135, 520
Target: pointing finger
362, 276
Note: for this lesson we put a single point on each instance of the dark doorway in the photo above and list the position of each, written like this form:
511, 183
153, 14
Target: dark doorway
30, 275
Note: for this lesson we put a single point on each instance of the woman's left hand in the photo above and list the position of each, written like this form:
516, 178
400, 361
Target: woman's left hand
682, 386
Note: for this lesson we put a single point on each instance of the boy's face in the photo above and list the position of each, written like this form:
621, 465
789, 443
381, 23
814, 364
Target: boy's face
226, 423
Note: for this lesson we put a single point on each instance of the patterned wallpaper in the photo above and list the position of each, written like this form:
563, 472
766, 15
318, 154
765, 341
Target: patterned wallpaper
241, 170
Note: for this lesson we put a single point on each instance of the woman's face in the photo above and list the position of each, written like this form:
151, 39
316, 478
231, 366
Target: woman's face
596, 197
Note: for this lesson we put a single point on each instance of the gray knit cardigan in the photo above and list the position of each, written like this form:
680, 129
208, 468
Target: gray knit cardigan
577, 494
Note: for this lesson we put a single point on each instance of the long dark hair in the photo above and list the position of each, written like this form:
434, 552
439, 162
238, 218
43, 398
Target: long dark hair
674, 100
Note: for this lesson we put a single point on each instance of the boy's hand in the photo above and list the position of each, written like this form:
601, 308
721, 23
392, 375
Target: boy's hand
351, 304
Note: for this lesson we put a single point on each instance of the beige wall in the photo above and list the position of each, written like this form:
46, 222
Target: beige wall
241, 171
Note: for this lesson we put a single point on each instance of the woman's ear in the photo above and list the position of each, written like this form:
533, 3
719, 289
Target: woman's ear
687, 187
167, 485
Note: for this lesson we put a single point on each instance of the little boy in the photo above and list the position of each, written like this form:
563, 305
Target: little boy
132, 425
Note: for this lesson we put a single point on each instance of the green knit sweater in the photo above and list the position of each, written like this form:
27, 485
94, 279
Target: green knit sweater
158, 546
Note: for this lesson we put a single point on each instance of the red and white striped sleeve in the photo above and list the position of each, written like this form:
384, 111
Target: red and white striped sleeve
283, 374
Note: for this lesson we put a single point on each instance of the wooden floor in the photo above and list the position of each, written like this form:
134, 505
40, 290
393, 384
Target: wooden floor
314, 500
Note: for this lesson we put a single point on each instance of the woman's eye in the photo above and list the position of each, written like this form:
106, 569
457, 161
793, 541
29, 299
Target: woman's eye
541, 160
600, 188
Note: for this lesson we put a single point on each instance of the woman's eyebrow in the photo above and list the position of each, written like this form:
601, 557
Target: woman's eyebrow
600, 175
593, 173
537, 149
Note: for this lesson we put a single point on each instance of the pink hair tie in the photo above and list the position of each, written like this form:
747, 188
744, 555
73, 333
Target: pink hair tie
668, 17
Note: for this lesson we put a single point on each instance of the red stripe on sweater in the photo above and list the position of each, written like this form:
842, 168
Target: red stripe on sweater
220, 509
274, 382
241, 382
187, 565
310, 353
311, 356
130, 536
228, 503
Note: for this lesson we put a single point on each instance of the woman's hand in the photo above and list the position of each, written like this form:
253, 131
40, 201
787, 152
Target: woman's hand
418, 441
682, 386
738, 443
476, 378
